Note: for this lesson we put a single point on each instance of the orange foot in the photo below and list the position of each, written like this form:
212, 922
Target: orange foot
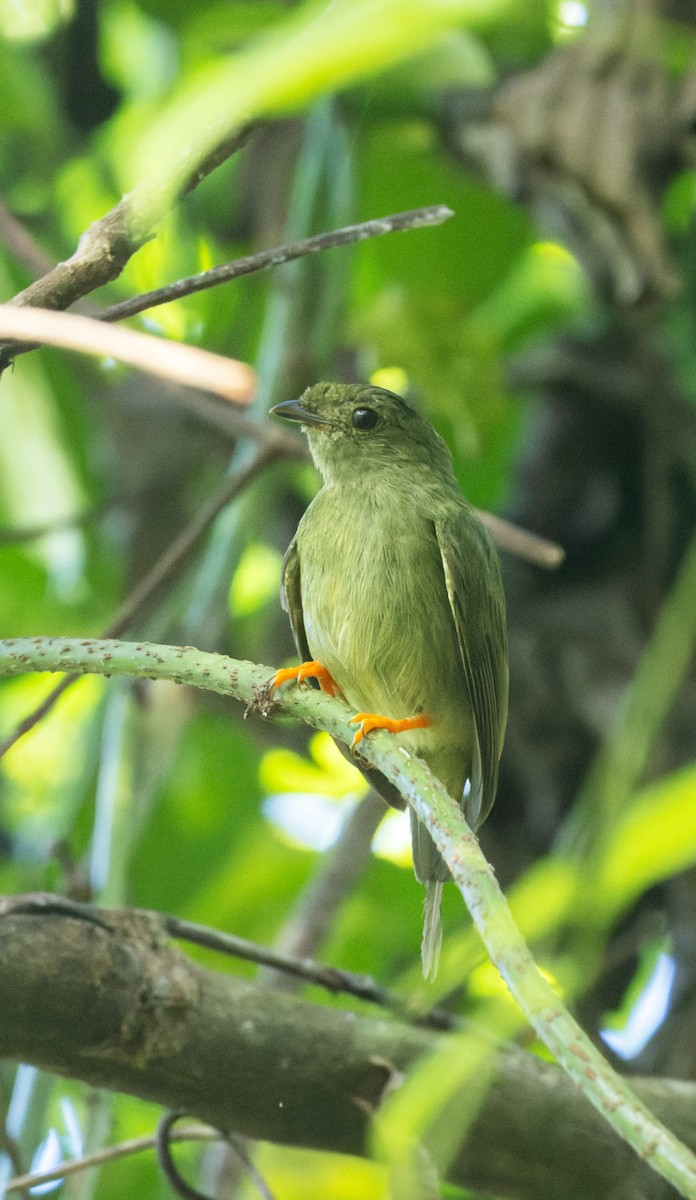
306, 670
370, 721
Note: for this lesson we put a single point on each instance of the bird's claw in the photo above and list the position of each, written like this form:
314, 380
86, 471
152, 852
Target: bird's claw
305, 670
370, 721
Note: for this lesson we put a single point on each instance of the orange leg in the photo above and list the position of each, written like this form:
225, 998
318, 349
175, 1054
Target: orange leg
370, 721
306, 670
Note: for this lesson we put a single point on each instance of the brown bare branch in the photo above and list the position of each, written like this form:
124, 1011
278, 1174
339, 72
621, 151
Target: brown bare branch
106, 246
182, 364
348, 235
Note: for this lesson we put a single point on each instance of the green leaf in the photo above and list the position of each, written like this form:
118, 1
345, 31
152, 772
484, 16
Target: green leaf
33, 20
201, 817
654, 839
327, 772
256, 579
319, 48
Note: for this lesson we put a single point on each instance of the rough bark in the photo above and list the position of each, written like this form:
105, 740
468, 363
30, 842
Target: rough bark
105, 997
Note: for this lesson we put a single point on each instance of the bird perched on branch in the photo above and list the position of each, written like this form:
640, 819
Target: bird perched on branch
394, 593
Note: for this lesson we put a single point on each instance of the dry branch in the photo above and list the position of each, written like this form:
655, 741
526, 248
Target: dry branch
106, 246
182, 364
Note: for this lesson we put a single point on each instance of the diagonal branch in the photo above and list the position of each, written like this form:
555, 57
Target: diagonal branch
96, 262
175, 361
99, 1158
107, 245
276, 256
570, 1046
307, 970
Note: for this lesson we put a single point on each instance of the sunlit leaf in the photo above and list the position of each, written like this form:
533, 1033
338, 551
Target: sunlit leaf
139, 54
32, 20
46, 772
327, 771
256, 579
309, 1175
653, 839
320, 47
545, 288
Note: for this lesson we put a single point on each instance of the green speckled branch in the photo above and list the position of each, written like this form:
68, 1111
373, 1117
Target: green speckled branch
246, 681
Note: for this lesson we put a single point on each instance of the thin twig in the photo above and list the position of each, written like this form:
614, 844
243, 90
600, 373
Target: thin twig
21, 244
521, 542
332, 979
183, 546
219, 154
349, 234
191, 1133
37, 714
107, 245
50, 904
166, 1163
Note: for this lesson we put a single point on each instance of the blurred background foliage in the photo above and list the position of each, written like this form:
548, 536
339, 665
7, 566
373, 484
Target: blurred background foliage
548, 334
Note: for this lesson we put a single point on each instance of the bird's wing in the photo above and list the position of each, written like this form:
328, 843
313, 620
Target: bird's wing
291, 598
475, 592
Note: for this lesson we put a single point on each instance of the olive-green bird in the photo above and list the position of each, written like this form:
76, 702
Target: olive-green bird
394, 593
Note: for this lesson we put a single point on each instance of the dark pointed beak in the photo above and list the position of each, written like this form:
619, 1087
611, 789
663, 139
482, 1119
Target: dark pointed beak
293, 410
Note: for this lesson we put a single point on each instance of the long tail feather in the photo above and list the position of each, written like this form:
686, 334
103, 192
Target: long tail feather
432, 929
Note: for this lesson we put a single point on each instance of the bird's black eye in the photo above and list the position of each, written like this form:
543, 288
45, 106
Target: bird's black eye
364, 418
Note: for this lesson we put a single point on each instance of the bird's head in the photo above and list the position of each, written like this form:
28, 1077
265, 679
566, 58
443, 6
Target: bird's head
355, 428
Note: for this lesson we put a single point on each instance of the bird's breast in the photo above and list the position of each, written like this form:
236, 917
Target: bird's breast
376, 610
